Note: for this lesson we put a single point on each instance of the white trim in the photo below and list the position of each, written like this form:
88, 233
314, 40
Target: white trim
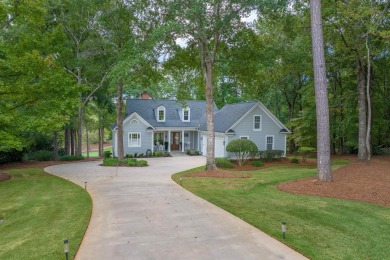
261, 123
273, 142
161, 108
186, 109
130, 117
244, 137
139, 143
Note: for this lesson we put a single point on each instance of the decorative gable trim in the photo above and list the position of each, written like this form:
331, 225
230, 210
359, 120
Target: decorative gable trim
267, 112
134, 116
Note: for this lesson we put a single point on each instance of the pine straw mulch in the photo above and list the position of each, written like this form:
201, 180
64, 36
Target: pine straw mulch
4, 177
36, 164
360, 181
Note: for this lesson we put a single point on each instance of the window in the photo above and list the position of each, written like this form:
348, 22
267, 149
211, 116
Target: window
134, 139
257, 123
161, 114
186, 114
244, 137
270, 142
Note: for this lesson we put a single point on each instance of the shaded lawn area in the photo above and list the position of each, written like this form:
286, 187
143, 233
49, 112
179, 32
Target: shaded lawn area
40, 211
317, 227
96, 153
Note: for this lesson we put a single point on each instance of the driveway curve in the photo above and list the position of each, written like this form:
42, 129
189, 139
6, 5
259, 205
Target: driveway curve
140, 213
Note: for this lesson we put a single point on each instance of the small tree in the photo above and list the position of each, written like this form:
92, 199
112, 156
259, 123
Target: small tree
305, 152
242, 148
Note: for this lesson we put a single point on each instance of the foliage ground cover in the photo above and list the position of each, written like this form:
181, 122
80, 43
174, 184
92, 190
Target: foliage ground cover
126, 162
318, 227
40, 211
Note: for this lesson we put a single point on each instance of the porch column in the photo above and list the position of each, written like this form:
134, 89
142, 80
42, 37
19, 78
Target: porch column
152, 141
169, 141
182, 140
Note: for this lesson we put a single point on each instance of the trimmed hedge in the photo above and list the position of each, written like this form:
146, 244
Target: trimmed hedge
40, 155
127, 162
71, 158
12, 155
223, 163
257, 163
242, 148
269, 155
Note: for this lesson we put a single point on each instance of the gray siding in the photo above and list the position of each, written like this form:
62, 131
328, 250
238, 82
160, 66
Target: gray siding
268, 128
146, 137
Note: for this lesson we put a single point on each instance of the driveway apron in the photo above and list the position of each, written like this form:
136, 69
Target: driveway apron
140, 213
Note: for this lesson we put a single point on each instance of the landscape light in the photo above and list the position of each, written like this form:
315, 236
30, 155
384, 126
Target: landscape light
181, 181
284, 229
66, 248
85, 185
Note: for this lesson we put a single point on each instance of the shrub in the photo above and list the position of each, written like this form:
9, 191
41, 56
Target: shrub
41, 155
385, 151
242, 148
129, 155
257, 163
305, 152
269, 155
107, 154
141, 155
127, 162
142, 163
294, 160
223, 163
11, 155
110, 162
71, 158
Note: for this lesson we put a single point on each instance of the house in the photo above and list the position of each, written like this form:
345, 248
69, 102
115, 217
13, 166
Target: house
171, 125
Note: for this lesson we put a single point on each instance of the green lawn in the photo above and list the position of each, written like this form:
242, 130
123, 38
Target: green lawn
40, 211
319, 228
96, 153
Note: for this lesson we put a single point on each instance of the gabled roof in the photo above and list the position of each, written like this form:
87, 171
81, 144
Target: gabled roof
146, 108
230, 115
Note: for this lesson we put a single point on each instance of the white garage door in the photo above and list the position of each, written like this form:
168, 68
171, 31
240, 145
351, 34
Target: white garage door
219, 148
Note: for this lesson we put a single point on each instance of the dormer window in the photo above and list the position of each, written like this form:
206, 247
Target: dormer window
186, 114
161, 114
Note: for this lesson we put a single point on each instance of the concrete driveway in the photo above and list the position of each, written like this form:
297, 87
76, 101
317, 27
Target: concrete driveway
140, 213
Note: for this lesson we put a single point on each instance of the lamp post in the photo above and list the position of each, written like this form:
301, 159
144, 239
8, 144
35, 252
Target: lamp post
181, 181
85, 185
66, 248
284, 229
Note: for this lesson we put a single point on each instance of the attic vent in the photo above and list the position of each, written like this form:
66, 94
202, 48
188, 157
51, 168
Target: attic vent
134, 121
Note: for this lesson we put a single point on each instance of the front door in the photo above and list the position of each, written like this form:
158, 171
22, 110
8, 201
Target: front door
175, 141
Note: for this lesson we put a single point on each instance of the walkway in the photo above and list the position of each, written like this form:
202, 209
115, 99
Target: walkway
140, 213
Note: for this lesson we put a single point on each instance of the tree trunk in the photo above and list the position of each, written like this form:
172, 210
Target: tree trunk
321, 93
207, 68
101, 138
87, 139
368, 133
79, 145
119, 120
72, 141
67, 140
362, 148
55, 146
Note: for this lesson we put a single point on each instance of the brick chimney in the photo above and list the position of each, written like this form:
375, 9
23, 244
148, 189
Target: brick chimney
145, 95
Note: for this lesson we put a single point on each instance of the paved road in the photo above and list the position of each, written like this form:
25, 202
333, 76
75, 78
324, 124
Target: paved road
140, 213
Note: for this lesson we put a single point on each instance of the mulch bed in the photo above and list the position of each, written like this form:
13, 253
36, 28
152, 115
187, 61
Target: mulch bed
217, 174
35, 164
4, 177
283, 162
360, 181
